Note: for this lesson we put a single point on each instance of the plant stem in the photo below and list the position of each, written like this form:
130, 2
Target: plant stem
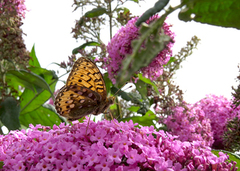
110, 17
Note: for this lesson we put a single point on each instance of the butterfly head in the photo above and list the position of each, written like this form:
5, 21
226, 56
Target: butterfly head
110, 100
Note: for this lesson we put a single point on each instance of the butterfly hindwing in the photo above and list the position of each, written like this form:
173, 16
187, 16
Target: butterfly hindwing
75, 102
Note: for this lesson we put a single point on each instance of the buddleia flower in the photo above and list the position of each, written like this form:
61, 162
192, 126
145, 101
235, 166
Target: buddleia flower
120, 46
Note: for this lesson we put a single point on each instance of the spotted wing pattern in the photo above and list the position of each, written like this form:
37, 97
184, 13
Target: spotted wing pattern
84, 92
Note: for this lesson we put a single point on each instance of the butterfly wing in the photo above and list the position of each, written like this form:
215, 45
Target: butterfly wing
75, 102
84, 92
85, 73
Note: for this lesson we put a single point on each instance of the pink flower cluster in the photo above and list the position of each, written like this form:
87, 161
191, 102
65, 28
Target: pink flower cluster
120, 47
105, 146
11, 5
204, 121
218, 109
190, 125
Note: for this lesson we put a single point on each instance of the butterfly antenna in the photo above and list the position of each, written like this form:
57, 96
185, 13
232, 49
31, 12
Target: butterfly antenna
88, 123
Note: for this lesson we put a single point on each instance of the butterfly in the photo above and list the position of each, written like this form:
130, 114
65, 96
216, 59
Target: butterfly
84, 93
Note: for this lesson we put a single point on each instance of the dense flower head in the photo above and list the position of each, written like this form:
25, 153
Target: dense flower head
13, 5
120, 46
203, 121
104, 146
190, 125
218, 109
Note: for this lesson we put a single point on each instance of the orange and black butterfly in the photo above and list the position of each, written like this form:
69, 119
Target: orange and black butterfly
84, 93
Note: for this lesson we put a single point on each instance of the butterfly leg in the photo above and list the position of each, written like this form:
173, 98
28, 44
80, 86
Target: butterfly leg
113, 119
88, 123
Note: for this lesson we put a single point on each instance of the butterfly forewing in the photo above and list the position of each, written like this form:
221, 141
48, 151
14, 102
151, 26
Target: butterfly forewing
86, 74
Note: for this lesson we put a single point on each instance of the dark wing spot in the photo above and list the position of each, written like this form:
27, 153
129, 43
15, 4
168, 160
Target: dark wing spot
96, 73
100, 88
97, 80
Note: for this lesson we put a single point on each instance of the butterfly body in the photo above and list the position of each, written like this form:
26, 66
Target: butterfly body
84, 92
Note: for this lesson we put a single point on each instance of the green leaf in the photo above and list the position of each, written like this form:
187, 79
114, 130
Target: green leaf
28, 79
124, 9
75, 51
108, 82
214, 12
172, 59
232, 156
47, 75
143, 109
41, 115
142, 57
81, 21
142, 88
30, 100
134, 1
9, 113
146, 120
95, 12
15, 81
50, 107
1, 164
125, 96
133, 108
135, 98
33, 60
148, 81
150, 12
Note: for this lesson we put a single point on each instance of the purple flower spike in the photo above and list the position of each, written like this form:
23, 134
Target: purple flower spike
120, 46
